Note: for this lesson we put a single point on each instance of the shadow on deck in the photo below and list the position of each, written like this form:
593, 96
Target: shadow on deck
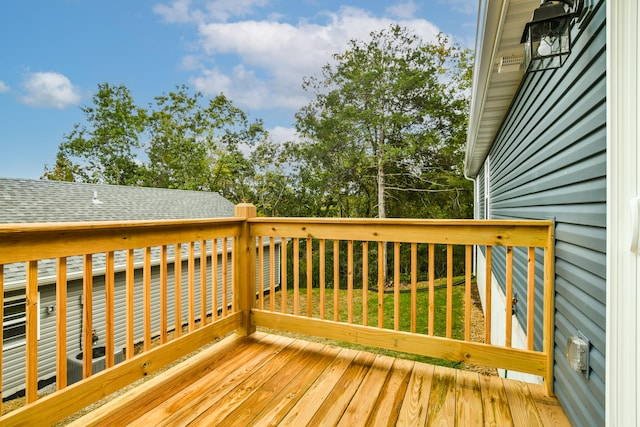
267, 379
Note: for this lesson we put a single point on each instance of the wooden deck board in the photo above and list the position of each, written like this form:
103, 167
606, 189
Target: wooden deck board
468, 399
281, 392
389, 403
416, 400
548, 408
271, 380
181, 407
442, 400
366, 396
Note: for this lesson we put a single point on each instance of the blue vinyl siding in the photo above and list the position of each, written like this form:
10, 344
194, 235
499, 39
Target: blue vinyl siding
549, 162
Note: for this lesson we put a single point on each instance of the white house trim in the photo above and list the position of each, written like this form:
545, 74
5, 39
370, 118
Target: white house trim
623, 298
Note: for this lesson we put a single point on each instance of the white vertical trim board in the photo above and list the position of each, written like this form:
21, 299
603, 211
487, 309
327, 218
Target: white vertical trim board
623, 184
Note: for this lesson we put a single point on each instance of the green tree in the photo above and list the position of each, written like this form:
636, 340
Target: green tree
104, 151
177, 150
385, 133
189, 143
196, 145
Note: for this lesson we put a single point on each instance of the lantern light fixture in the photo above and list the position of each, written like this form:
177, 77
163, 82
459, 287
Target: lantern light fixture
547, 37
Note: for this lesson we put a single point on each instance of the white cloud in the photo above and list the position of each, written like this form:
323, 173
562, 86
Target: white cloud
223, 10
468, 7
181, 11
276, 56
49, 89
178, 12
403, 10
3, 87
282, 134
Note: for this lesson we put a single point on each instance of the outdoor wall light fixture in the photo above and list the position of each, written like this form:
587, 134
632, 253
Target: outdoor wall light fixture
578, 353
547, 37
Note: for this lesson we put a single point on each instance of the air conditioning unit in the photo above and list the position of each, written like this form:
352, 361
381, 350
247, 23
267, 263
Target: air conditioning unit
99, 361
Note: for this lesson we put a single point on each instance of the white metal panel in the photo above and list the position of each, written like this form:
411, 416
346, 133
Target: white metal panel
623, 265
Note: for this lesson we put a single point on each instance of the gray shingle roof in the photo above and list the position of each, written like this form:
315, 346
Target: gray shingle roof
23, 200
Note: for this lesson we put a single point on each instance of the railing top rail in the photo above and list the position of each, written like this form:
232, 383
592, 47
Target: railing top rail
460, 232
30, 227
407, 221
34, 241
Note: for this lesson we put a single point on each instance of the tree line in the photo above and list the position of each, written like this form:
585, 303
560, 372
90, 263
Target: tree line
383, 136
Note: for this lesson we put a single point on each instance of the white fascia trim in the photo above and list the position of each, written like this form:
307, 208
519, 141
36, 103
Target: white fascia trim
491, 16
623, 184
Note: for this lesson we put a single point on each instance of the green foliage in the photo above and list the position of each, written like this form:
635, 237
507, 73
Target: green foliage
422, 263
197, 146
383, 137
190, 144
106, 150
385, 134
422, 314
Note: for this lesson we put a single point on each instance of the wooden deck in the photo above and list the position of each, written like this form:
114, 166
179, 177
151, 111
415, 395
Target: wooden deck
273, 380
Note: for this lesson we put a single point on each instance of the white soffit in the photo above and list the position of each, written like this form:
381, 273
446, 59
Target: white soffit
497, 75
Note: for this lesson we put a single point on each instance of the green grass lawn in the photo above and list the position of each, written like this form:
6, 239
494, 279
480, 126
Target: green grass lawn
422, 313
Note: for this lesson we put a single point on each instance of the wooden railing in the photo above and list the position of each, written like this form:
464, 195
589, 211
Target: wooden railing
383, 240
175, 253
243, 272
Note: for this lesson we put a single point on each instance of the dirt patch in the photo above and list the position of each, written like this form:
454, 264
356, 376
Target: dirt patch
478, 331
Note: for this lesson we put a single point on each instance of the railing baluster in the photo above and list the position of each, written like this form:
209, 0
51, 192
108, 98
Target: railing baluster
272, 273
283, 280
163, 294
214, 279
467, 292
365, 283
449, 290
191, 297
203, 283
309, 276
296, 275
61, 321
32, 331
381, 275
548, 314
336, 280
322, 261
509, 296
414, 285
350, 281
261, 273
109, 277
130, 280
146, 298
234, 253
225, 279
396, 286
432, 290
488, 296
87, 315
531, 288
177, 286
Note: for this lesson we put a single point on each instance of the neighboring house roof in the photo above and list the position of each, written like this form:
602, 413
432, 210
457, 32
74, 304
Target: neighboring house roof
29, 201
496, 74
24, 200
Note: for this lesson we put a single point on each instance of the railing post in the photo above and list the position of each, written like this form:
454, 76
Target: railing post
244, 288
549, 307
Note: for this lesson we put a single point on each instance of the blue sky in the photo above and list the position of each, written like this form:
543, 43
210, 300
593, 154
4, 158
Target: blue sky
54, 53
